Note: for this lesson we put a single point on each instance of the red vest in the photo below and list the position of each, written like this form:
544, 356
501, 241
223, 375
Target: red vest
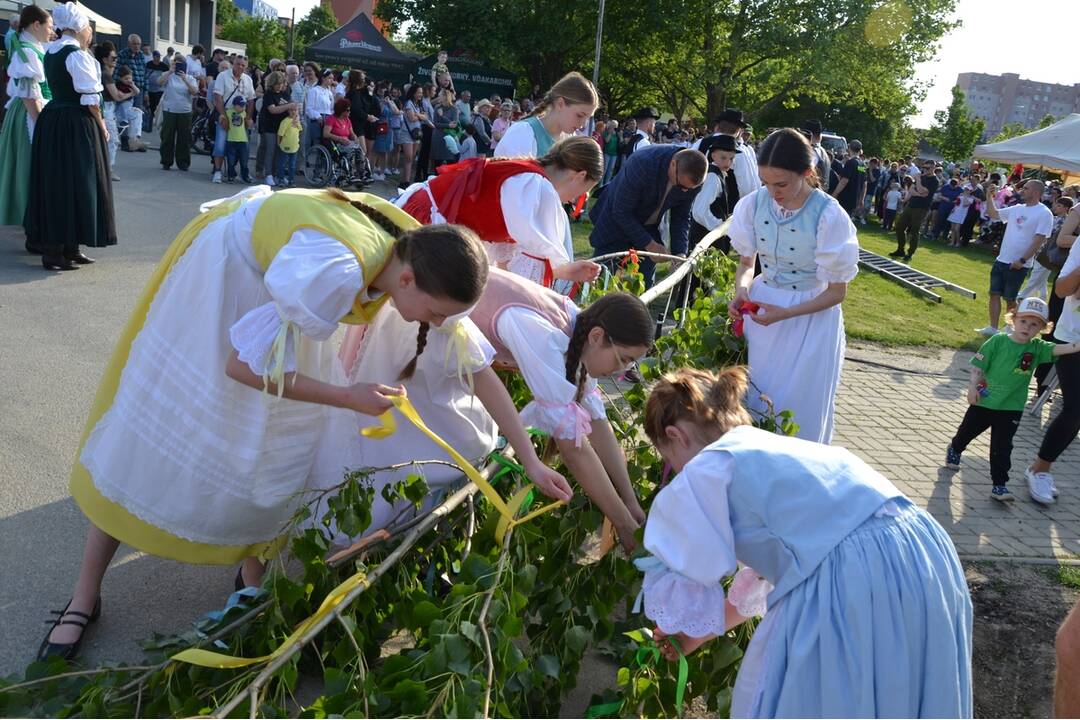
467, 193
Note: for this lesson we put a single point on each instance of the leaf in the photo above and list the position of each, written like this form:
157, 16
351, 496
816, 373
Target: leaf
424, 614
548, 665
472, 633
335, 681
411, 695
577, 638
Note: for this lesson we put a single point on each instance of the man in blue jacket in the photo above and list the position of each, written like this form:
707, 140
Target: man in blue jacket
654, 180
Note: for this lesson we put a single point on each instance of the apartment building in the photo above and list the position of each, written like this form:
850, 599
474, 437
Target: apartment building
1006, 98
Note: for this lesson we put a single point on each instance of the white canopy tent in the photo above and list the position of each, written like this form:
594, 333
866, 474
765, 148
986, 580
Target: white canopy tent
102, 24
1054, 148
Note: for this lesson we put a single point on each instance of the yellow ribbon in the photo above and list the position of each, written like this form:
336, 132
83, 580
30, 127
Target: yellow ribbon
387, 426
457, 346
274, 372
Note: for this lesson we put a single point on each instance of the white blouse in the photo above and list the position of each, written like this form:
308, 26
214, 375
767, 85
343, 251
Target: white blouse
518, 141
539, 349
25, 71
710, 190
314, 280
318, 103
837, 252
85, 71
689, 535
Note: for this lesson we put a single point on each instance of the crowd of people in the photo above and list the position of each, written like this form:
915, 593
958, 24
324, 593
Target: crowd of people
462, 270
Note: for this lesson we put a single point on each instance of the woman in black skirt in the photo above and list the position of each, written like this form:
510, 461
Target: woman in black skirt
70, 191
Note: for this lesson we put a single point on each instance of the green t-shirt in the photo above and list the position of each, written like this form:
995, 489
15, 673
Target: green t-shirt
237, 128
1008, 367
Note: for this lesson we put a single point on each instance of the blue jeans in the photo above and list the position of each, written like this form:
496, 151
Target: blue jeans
609, 167
1005, 281
286, 167
237, 151
312, 134
220, 134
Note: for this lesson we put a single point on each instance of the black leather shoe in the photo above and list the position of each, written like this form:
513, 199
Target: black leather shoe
68, 651
79, 259
57, 263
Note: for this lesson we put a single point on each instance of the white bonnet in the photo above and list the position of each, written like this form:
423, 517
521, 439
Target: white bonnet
69, 16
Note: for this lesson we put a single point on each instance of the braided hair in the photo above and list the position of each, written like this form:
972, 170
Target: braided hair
447, 260
625, 321
574, 88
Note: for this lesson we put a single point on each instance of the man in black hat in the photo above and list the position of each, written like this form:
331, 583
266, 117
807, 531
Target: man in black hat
731, 122
824, 163
646, 118
719, 192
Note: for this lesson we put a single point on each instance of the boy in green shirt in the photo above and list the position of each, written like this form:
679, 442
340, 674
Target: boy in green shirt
1000, 377
236, 140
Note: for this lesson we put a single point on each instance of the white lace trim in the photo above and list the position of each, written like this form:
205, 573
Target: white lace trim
253, 335
678, 604
593, 402
749, 593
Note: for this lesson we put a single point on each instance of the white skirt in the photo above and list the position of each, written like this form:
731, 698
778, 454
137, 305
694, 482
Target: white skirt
443, 401
796, 362
186, 448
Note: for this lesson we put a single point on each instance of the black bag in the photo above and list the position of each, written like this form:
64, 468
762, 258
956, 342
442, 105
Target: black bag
214, 114
415, 134
1051, 256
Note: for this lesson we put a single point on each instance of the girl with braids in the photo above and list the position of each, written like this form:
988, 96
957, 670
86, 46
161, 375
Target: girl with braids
809, 252
516, 206
868, 613
206, 422
559, 351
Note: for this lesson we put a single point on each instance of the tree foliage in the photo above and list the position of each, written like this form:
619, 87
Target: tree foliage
1046, 122
264, 37
955, 132
226, 12
695, 57
317, 24
1010, 130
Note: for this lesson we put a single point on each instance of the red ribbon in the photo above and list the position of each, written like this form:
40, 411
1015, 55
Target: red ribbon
744, 308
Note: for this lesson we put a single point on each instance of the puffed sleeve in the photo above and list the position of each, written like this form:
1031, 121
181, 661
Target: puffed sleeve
741, 229
314, 281
535, 217
518, 141
460, 345
692, 546
85, 76
700, 211
26, 73
539, 349
837, 253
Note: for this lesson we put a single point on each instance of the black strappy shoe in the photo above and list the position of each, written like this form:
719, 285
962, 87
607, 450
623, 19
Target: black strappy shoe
68, 651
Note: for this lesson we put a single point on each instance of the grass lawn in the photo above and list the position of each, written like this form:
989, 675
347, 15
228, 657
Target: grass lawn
882, 311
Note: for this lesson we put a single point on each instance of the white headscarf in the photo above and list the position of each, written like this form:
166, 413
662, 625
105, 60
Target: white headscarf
69, 16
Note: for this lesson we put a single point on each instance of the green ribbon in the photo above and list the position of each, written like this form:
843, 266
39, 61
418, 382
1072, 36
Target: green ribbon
684, 673
647, 655
596, 711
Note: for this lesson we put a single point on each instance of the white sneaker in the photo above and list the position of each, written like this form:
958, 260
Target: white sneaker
217, 177
989, 331
1040, 486
378, 176
270, 180
1053, 487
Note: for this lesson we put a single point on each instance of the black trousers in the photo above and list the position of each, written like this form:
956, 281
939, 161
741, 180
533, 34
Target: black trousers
1062, 430
1002, 425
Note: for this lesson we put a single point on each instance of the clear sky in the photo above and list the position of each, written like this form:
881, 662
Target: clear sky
1037, 39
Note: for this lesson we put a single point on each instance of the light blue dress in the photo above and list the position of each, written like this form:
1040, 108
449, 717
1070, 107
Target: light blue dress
796, 362
868, 611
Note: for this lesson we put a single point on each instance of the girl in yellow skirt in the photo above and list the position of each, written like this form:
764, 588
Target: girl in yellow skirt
204, 429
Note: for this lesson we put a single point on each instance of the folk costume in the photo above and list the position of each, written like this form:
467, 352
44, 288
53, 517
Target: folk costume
510, 204
26, 73
68, 155
178, 459
796, 362
717, 197
868, 614
528, 138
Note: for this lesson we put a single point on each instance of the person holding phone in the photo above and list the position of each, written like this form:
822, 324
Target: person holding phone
178, 90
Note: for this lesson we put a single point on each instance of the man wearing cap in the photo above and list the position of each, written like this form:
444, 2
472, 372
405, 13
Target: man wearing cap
646, 119
714, 203
824, 163
652, 182
731, 122
850, 191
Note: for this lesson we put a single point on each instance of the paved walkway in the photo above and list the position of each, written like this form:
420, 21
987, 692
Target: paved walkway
900, 419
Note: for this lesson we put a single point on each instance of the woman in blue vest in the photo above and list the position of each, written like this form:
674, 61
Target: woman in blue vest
809, 252
29, 92
68, 156
868, 613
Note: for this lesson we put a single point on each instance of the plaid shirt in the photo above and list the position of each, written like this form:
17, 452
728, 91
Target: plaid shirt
137, 62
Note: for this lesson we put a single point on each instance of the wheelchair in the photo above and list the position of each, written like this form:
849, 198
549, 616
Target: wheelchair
325, 164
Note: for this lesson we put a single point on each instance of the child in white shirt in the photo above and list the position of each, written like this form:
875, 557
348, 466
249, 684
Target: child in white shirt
892, 203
